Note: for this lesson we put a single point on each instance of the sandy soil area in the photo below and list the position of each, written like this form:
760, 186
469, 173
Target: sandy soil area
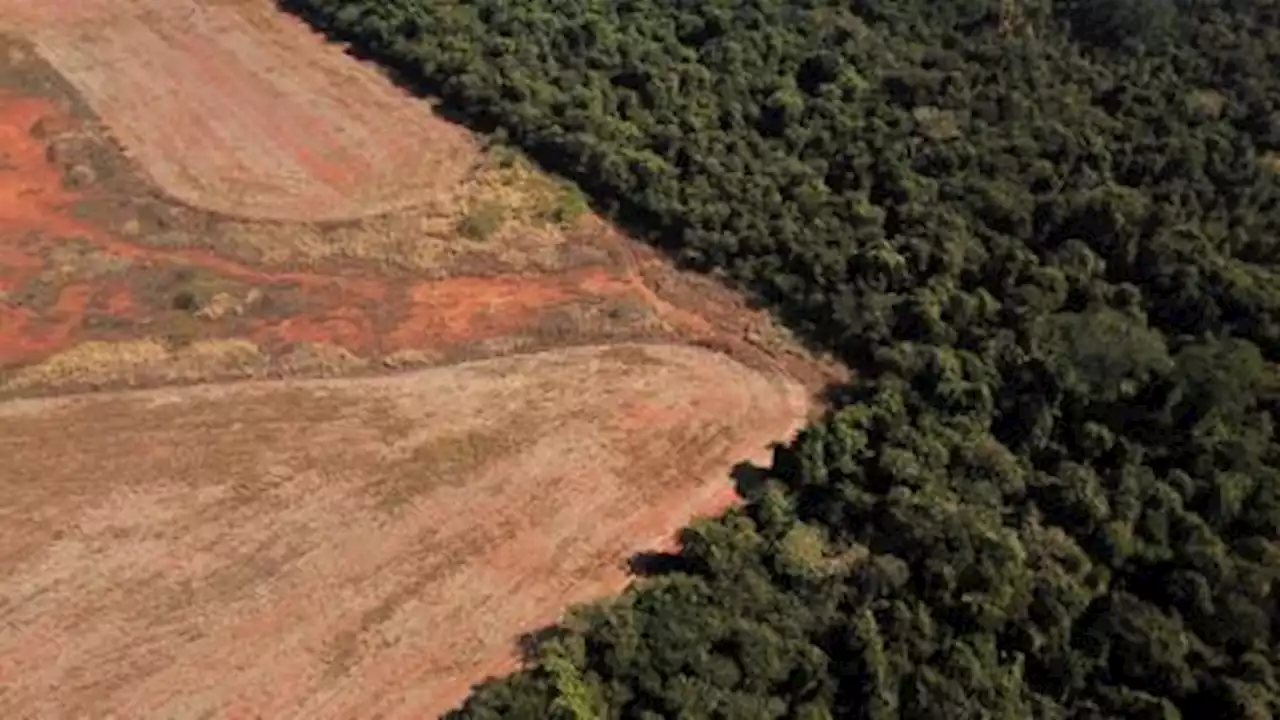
346, 548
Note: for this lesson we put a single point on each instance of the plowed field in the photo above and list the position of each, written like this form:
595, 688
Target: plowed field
237, 108
345, 548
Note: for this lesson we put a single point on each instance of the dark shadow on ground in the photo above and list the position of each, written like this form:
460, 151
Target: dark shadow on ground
655, 564
749, 479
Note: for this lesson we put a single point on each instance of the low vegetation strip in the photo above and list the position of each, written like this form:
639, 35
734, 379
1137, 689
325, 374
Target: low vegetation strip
1044, 233
346, 548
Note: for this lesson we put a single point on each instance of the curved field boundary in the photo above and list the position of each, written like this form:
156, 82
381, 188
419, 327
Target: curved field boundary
346, 548
238, 108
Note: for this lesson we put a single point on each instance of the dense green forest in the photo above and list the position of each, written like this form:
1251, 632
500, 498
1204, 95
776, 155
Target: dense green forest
1044, 232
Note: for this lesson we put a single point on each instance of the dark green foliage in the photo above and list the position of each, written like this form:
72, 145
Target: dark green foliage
1045, 235
1127, 23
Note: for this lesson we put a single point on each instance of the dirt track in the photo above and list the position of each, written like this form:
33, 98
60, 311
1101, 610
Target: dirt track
345, 548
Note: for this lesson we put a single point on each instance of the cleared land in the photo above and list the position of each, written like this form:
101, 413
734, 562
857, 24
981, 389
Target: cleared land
343, 548
237, 108
320, 548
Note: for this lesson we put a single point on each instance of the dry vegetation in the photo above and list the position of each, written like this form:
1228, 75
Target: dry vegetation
345, 547
501, 216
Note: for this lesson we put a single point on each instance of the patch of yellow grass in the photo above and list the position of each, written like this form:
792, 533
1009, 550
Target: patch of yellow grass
411, 358
79, 259
322, 359
128, 362
1272, 160
505, 213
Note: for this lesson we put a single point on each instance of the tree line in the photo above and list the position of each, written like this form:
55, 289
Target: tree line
1043, 232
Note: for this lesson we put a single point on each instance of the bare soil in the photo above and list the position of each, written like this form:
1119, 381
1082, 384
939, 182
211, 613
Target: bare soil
235, 107
346, 548
355, 546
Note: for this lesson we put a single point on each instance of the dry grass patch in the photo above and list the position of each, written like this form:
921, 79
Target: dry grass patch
81, 260
345, 548
320, 359
1271, 161
95, 364
99, 364
504, 215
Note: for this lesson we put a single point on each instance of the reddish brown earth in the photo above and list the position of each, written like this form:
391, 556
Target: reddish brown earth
338, 548
235, 107
346, 548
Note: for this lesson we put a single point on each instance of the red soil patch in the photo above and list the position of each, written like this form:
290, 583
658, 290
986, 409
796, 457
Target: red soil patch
239, 108
346, 548
46, 308
367, 314
117, 300
29, 187
462, 309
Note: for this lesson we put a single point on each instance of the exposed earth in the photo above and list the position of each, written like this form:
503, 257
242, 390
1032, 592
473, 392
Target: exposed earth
207, 200
346, 548
232, 106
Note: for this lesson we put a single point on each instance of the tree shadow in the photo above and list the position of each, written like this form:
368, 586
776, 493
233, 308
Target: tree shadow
528, 643
839, 395
749, 479
650, 564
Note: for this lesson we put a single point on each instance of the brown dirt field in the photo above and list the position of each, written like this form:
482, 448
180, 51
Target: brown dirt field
237, 108
346, 548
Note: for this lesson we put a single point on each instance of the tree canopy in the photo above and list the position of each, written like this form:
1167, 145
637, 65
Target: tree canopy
1044, 233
